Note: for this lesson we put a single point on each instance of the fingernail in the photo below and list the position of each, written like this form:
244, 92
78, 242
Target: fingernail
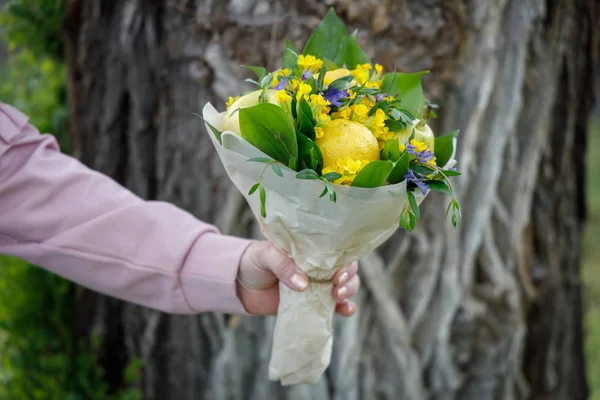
342, 291
351, 308
343, 278
299, 281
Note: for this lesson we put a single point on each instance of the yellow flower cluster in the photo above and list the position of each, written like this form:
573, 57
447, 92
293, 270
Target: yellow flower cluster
309, 63
362, 74
348, 167
320, 109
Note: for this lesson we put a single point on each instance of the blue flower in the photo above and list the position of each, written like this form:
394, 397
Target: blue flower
334, 95
282, 84
410, 177
424, 156
306, 75
379, 97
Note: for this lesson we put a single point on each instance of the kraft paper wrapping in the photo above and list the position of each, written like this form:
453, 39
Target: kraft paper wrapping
321, 236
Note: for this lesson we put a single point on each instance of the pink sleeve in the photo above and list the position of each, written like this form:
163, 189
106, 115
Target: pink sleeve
80, 224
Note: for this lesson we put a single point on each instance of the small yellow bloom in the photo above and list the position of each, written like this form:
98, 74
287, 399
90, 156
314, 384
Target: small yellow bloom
303, 90
346, 113
283, 97
360, 110
231, 101
322, 119
378, 69
319, 131
318, 100
361, 73
349, 165
310, 63
295, 83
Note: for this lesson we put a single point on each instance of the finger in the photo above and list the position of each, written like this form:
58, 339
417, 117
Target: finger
284, 268
347, 290
347, 308
345, 274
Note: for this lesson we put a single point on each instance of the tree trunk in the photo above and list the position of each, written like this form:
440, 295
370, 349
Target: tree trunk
489, 310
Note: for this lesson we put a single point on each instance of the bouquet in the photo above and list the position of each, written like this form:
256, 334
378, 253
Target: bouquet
332, 156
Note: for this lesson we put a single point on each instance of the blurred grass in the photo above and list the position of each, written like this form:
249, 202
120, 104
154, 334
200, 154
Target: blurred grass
591, 261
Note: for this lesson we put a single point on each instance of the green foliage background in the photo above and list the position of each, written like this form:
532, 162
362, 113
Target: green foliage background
40, 357
591, 261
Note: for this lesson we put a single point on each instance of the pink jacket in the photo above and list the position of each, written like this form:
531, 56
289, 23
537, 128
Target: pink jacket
80, 224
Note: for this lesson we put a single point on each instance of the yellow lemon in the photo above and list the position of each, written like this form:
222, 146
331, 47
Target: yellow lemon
422, 134
331, 76
344, 138
232, 122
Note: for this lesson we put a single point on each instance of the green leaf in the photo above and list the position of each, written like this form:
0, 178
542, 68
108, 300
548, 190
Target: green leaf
409, 90
259, 71
413, 204
263, 201
444, 147
290, 56
328, 39
292, 163
405, 222
268, 128
309, 153
440, 186
306, 122
391, 150
451, 172
307, 174
374, 174
259, 159
277, 169
413, 221
321, 79
332, 176
324, 192
329, 64
350, 54
253, 189
400, 169
421, 169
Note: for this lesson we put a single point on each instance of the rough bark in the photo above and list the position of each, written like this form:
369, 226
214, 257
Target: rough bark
490, 310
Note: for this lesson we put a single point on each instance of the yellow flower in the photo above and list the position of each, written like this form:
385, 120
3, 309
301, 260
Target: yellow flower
378, 69
346, 113
349, 165
318, 100
295, 83
309, 62
319, 131
303, 90
359, 112
283, 97
322, 119
361, 73
231, 101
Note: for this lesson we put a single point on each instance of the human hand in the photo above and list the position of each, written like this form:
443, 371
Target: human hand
262, 266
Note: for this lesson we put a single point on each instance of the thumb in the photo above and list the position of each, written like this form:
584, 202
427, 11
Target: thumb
284, 268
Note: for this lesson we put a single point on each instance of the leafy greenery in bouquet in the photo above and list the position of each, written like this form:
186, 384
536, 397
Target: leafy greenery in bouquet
330, 114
